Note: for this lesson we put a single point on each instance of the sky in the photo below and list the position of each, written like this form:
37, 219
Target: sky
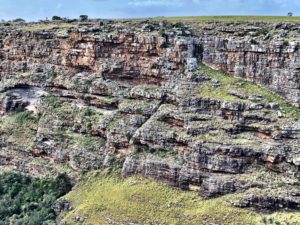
40, 9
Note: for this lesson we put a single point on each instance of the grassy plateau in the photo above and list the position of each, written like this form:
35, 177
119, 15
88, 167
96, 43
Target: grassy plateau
227, 19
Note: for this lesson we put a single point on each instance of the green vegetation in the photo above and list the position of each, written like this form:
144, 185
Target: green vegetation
84, 140
19, 20
83, 18
22, 118
89, 112
227, 19
50, 26
53, 101
227, 84
56, 18
105, 197
28, 201
58, 109
19, 128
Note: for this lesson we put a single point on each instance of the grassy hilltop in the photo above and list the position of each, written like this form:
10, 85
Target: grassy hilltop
271, 19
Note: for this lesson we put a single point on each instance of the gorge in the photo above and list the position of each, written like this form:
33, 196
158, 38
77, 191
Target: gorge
208, 107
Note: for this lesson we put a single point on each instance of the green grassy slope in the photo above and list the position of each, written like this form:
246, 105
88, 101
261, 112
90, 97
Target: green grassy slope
230, 84
106, 197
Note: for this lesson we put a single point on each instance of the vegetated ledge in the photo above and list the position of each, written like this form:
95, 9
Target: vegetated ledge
223, 86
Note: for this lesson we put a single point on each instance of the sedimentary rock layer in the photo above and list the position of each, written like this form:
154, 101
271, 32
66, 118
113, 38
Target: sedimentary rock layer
136, 94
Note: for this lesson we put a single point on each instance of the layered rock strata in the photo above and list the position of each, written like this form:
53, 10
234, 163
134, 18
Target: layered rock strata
102, 93
267, 54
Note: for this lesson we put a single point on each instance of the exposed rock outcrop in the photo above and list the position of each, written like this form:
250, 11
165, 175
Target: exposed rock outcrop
264, 53
104, 93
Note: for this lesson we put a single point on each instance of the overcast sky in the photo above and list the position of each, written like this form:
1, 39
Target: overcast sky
40, 9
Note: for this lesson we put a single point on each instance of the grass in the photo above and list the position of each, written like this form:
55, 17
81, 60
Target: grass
86, 141
226, 19
53, 101
229, 83
40, 27
19, 128
22, 118
103, 197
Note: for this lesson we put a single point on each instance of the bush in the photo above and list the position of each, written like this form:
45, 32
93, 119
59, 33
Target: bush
56, 18
178, 25
19, 20
89, 112
83, 18
28, 201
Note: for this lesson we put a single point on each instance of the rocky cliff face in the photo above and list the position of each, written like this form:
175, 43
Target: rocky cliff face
267, 54
137, 94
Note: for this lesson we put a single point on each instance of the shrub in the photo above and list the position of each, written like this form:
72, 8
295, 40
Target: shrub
154, 66
178, 25
56, 18
83, 18
89, 112
19, 20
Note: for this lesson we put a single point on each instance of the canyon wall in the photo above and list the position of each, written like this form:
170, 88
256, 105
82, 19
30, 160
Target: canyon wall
136, 94
265, 53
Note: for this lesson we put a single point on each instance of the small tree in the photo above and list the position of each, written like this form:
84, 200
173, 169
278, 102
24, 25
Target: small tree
83, 18
19, 20
290, 14
56, 18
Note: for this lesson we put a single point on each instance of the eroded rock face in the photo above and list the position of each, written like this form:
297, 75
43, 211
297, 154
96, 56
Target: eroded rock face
111, 94
267, 54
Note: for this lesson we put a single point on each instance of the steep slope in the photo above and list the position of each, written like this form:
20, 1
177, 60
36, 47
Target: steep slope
265, 53
86, 96
106, 198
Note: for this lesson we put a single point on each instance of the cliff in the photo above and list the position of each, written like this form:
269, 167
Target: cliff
267, 54
86, 96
